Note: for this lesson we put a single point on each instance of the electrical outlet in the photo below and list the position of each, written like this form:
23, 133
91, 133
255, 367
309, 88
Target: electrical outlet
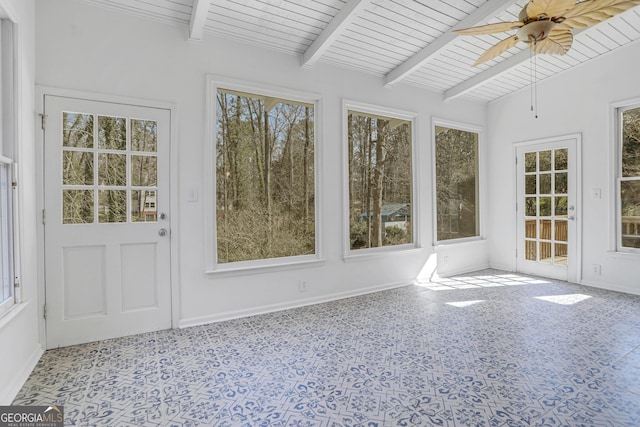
445, 260
303, 286
192, 194
597, 269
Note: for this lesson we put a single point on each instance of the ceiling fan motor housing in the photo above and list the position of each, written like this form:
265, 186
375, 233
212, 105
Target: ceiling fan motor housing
535, 31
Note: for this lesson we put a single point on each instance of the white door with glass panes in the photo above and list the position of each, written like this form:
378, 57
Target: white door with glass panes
546, 209
107, 236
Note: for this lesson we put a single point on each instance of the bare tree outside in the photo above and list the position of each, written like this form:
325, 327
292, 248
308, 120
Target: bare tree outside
124, 152
77, 168
630, 180
456, 154
265, 191
380, 181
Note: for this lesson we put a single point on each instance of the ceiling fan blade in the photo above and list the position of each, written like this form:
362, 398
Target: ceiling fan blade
497, 49
591, 12
551, 8
498, 27
557, 43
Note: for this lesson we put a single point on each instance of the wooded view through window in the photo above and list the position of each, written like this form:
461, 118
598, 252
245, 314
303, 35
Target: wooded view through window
380, 181
124, 182
630, 179
265, 198
456, 153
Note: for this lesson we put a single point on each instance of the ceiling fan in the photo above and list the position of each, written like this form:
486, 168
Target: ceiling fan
545, 25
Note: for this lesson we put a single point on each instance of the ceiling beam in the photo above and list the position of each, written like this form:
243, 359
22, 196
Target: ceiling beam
496, 71
333, 30
199, 12
488, 10
487, 75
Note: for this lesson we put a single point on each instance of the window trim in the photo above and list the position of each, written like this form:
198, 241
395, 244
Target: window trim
212, 267
615, 241
8, 150
435, 121
367, 253
6, 305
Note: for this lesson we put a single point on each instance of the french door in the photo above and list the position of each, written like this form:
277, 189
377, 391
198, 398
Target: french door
107, 237
547, 208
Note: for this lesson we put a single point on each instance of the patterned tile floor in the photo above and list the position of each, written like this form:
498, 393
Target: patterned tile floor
486, 349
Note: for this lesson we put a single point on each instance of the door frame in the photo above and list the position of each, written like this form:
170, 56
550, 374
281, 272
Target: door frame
574, 269
41, 92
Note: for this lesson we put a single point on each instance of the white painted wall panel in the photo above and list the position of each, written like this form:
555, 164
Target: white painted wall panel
84, 281
169, 69
139, 266
577, 101
19, 331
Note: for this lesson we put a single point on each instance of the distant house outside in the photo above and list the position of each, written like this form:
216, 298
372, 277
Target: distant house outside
393, 215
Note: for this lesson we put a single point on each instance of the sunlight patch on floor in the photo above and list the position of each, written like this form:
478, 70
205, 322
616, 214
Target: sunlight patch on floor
462, 304
565, 299
435, 283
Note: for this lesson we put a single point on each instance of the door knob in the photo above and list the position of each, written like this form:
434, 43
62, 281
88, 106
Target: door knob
162, 232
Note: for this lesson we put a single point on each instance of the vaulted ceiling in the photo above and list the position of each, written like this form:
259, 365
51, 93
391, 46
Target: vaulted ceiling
402, 41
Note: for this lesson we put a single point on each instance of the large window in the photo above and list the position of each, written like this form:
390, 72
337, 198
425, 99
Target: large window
264, 177
456, 158
380, 180
629, 179
7, 124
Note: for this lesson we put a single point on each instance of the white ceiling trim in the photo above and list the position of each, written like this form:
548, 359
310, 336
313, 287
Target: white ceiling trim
199, 13
335, 29
488, 10
408, 41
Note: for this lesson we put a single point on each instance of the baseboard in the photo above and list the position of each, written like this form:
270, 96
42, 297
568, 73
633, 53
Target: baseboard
504, 267
610, 287
229, 315
463, 270
8, 392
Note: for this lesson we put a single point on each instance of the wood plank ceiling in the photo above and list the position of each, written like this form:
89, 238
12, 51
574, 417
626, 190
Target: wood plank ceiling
403, 41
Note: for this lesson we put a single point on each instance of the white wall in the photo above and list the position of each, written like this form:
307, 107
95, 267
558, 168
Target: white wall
83, 47
19, 339
577, 101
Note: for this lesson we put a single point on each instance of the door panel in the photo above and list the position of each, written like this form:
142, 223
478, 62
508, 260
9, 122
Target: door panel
107, 266
546, 226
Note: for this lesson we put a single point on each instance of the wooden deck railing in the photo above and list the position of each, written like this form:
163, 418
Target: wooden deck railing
631, 226
561, 236
630, 234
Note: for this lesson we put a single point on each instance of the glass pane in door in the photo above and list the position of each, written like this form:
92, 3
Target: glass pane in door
114, 180
546, 220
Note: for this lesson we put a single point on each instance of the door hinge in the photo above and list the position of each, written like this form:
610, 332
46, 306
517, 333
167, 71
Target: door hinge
44, 311
44, 217
43, 121
16, 284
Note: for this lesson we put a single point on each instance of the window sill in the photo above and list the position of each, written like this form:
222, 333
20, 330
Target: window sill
630, 256
462, 241
377, 253
244, 270
12, 313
